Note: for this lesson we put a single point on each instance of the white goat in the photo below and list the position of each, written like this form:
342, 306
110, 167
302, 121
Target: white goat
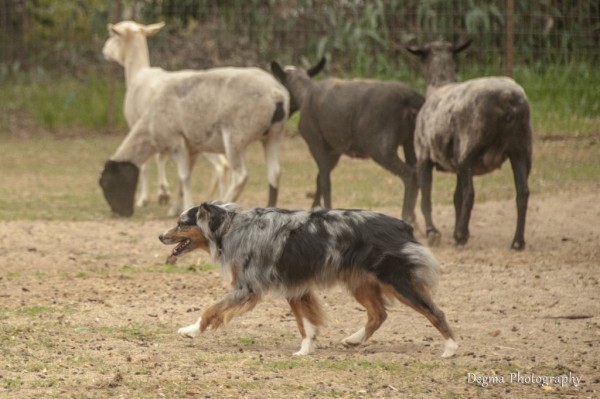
219, 110
127, 45
470, 128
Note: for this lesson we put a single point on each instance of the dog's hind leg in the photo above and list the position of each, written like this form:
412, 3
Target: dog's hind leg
309, 318
369, 295
420, 300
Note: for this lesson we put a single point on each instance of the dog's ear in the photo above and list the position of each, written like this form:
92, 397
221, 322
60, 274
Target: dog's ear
189, 217
211, 216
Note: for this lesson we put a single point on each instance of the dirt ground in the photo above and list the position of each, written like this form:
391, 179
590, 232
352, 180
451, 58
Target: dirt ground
88, 309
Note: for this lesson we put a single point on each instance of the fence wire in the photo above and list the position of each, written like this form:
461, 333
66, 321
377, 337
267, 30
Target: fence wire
359, 37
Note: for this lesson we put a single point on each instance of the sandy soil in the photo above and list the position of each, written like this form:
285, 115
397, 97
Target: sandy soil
89, 310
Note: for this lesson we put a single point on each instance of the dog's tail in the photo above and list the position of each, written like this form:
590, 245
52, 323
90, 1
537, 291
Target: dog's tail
425, 268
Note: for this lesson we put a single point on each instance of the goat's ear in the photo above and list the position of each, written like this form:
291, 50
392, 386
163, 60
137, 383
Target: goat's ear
153, 29
112, 29
312, 71
278, 71
416, 50
460, 47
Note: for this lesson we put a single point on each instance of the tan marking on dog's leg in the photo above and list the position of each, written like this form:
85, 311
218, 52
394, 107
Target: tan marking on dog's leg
222, 312
297, 311
369, 295
308, 344
309, 317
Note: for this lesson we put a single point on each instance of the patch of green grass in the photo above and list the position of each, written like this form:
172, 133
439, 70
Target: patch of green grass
33, 311
47, 178
62, 102
11, 383
246, 341
131, 333
12, 275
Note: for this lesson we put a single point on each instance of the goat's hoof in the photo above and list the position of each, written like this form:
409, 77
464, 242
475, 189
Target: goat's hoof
434, 238
518, 245
163, 199
142, 203
461, 242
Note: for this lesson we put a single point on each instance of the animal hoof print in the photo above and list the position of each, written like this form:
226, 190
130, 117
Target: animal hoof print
434, 239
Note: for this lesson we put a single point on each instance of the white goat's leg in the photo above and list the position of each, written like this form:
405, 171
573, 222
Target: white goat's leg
239, 174
164, 194
218, 177
184, 163
271, 148
143, 198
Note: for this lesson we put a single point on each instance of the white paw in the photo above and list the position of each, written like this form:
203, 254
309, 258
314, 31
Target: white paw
450, 348
355, 339
307, 347
190, 331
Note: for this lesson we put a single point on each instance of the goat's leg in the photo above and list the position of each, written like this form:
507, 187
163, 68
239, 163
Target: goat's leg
461, 229
318, 195
239, 173
326, 161
143, 198
391, 162
457, 200
425, 176
217, 180
185, 162
520, 167
271, 148
164, 194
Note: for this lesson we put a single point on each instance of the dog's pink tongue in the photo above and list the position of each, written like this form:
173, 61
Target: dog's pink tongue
177, 250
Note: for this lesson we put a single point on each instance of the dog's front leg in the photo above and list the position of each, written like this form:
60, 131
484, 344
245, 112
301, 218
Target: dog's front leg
309, 317
234, 304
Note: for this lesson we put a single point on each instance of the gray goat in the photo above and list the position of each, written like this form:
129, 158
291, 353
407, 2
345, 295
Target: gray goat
359, 118
469, 128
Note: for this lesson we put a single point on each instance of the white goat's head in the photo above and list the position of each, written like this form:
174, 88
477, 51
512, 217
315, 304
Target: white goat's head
122, 35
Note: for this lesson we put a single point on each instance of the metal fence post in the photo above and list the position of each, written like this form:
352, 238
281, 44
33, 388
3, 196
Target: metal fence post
509, 37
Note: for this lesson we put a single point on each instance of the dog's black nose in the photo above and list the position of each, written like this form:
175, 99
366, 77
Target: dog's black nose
161, 237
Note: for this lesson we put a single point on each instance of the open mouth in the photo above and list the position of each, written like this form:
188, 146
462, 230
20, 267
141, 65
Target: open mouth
180, 248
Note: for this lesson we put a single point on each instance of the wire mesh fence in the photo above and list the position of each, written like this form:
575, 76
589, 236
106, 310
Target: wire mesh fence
367, 38
359, 36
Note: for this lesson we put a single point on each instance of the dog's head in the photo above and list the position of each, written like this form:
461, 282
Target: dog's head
118, 182
188, 234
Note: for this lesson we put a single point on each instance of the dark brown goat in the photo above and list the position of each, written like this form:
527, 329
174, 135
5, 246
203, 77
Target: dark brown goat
470, 128
358, 118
